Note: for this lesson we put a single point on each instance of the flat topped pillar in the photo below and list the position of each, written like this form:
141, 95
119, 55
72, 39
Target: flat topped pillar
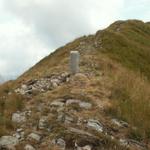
74, 62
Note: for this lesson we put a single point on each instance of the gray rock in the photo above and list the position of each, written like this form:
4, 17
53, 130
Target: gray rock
6, 141
123, 142
95, 124
80, 132
54, 85
85, 105
72, 101
29, 147
43, 122
120, 123
86, 147
57, 104
60, 143
34, 136
81, 104
18, 117
19, 130
61, 117
68, 119
17, 135
42, 84
24, 87
28, 113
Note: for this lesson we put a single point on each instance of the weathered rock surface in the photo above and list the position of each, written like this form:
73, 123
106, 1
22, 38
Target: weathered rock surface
120, 123
34, 136
82, 104
60, 143
43, 122
95, 124
86, 147
43, 84
85, 105
7, 141
19, 117
29, 147
57, 104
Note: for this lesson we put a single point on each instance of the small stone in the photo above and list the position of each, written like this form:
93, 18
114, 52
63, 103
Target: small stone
61, 142
86, 147
19, 130
72, 101
17, 135
6, 141
28, 112
65, 74
29, 147
43, 122
24, 87
57, 104
22, 134
116, 122
120, 123
54, 84
95, 124
68, 119
34, 136
18, 117
80, 132
85, 105
67, 79
61, 117
123, 142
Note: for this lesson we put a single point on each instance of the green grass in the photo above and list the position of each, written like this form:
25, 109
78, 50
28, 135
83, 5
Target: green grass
130, 46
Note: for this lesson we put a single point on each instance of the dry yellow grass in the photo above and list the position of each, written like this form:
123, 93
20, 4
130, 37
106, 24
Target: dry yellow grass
131, 102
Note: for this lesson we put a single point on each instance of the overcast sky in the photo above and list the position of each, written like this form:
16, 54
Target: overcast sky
31, 29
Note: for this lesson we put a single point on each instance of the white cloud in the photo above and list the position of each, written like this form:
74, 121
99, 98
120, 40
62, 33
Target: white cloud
19, 48
59, 21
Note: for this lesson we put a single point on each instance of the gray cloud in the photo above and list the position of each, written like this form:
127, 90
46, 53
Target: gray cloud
59, 21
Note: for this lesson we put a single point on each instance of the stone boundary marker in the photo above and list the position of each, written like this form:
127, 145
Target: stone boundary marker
74, 62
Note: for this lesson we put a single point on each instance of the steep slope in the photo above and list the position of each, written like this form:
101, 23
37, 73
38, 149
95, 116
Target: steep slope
124, 41
105, 106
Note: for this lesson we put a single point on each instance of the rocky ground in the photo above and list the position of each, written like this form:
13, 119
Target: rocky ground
65, 122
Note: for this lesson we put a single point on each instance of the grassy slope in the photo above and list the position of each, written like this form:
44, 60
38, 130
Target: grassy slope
129, 43
126, 43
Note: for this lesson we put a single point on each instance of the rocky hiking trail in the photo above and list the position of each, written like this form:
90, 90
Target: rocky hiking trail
66, 122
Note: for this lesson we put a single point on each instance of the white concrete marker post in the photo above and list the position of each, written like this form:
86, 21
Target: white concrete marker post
74, 62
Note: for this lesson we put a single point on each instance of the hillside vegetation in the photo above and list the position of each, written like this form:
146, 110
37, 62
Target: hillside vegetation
113, 83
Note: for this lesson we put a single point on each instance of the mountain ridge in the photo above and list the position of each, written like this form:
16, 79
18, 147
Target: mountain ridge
105, 106
121, 43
